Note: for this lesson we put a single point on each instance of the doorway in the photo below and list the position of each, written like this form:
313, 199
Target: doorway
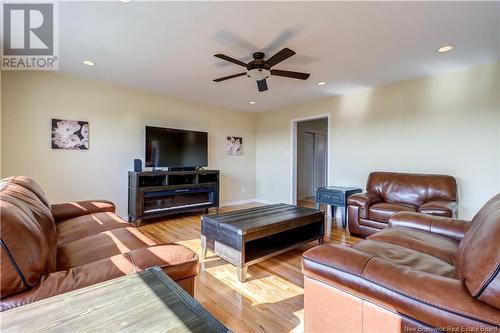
311, 159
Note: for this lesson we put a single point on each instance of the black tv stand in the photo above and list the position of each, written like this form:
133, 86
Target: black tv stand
153, 194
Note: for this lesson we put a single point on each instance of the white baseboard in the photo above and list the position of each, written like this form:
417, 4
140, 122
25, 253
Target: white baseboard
237, 202
243, 202
264, 201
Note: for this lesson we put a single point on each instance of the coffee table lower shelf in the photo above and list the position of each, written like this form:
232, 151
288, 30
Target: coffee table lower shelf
242, 269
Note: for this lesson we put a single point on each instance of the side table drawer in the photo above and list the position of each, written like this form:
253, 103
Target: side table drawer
335, 198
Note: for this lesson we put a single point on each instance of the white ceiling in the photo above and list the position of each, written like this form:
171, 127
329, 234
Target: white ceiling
168, 47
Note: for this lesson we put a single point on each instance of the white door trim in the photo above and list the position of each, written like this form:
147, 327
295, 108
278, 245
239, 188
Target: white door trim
293, 154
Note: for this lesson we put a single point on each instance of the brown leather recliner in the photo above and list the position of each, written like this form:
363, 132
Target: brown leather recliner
388, 193
48, 249
423, 273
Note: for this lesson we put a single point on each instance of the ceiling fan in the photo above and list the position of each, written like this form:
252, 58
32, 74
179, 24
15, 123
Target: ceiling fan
260, 69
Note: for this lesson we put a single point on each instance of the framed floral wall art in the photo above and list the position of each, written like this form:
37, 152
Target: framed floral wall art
70, 134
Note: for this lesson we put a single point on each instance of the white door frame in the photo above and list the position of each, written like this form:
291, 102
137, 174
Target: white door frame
293, 161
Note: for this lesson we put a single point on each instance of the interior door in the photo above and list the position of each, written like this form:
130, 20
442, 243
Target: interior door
320, 156
308, 182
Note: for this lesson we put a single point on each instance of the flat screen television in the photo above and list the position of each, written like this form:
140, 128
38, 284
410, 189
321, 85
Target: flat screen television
176, 148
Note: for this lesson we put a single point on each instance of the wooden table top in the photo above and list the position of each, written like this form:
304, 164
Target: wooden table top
252, 219
148, 301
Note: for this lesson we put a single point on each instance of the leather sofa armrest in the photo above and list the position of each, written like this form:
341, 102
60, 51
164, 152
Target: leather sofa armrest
68, 210
439, 208
443, 226
364, 201
322, 260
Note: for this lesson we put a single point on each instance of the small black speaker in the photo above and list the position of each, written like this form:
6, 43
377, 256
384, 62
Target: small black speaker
137, 165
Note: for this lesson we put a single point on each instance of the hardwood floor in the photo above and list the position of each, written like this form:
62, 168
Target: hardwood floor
271, 299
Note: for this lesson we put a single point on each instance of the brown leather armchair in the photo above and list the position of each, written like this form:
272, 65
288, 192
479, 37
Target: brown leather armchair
388, 193
48, 249
422, 274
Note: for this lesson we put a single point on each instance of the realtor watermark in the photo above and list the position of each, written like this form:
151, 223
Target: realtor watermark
450, 328
30, 36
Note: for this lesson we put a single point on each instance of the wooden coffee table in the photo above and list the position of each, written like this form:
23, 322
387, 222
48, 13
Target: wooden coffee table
248, 236
148, 301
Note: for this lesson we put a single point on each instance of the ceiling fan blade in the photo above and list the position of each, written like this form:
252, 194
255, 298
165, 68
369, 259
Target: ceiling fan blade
280, 56
234, 41
283, 38
262, 85
292, 75
234, 61
229, 77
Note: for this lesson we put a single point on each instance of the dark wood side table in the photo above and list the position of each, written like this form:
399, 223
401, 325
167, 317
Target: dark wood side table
148, 301
336, 196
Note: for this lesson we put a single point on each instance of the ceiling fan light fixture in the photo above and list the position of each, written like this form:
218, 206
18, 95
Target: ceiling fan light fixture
259, 73
445, 48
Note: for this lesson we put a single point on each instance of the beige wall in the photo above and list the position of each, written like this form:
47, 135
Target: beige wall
444, 124
117, 119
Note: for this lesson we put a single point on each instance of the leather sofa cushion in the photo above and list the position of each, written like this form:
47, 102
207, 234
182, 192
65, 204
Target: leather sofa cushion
439, 208
433, 245
406, 257
175, 260
382, 211
87, 225
68, 210
478, 258
99, 246
31, 186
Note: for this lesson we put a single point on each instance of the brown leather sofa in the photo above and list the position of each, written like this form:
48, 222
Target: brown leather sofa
388, 193
423, 273
48, 249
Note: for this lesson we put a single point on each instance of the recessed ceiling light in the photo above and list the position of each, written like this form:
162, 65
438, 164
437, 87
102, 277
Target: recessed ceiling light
252, 102
445, 48
321, 83
88, 63
125, 1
